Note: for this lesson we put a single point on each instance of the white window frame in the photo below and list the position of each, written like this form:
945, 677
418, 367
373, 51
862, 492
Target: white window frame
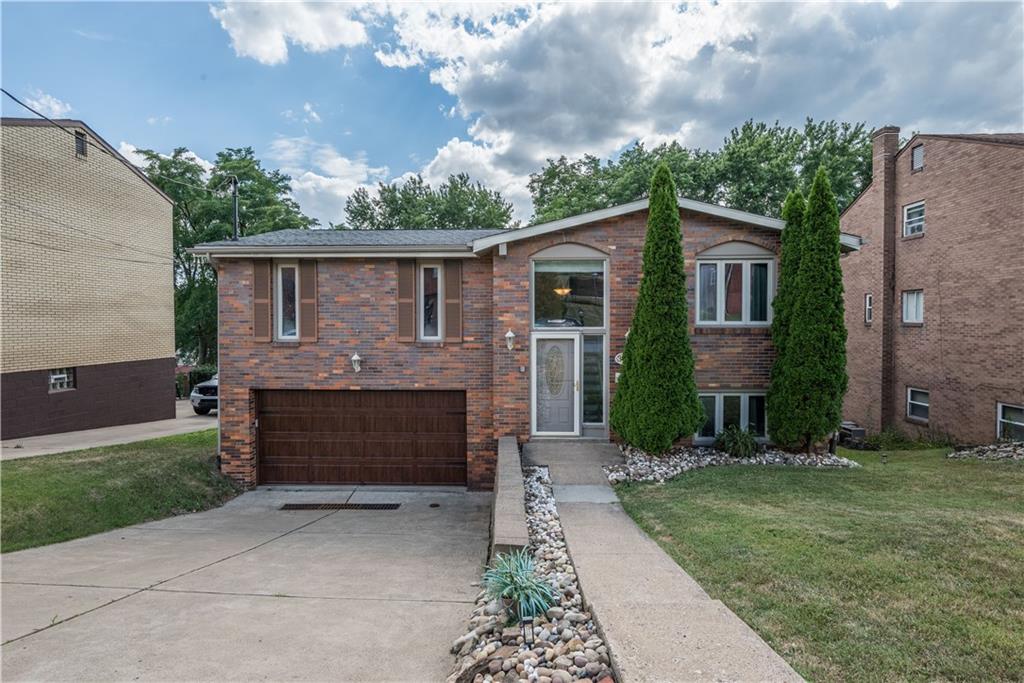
919, 223
61, 379
420, 290
744, 321
869, 309
927, 405
279, 301
533, 289
919, 315
1000, 419
720, 412
912, 150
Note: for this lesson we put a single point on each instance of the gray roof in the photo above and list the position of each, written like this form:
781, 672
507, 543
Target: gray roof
358, 238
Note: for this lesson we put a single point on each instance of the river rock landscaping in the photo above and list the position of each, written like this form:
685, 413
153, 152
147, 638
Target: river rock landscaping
1003, 450
566, 646
642, 466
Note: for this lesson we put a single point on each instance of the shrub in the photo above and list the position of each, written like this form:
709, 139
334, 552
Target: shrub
737, 442
201, 373
895, 440
513, 577
656, 400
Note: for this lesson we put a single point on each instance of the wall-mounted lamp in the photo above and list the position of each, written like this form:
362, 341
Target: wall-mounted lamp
357, 362
510, 339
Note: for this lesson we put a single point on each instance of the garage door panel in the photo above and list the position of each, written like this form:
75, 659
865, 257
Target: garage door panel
380, 437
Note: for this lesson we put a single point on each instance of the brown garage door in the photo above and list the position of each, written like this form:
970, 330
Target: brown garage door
362, 437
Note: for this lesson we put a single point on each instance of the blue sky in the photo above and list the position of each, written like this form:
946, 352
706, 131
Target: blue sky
344, 95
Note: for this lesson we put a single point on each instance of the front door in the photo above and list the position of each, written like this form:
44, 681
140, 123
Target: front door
556, 384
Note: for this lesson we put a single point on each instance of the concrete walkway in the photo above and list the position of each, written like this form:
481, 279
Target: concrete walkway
252, 592
185, 421
658, 622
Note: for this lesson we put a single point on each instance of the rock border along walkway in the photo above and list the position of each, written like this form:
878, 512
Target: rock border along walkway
658, 623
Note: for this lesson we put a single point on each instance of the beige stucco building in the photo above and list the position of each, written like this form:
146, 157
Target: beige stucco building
87, 316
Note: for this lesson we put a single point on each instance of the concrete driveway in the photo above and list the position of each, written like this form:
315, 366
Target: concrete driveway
250, 591
185, 421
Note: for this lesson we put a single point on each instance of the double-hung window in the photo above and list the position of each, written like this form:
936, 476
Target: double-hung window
869, 309
913, 306
913, 219
287, 302
1010, 422
734, 292
721, 410
430, 302
917, 404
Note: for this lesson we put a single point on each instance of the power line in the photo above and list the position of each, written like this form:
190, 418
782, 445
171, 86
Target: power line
103, 149
86, 232
72, 251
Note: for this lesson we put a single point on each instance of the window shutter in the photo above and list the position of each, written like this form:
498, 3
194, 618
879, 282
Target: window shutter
307, 301
453, 300
406, 301
262, 277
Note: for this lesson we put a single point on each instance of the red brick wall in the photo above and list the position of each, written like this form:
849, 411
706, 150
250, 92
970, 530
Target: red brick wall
357, 312
969, 353
737, 358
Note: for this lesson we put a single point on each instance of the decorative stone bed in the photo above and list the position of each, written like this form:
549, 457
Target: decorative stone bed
641, 466
1003, 450
566, 645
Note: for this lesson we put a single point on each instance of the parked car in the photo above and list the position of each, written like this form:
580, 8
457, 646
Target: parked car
204, 396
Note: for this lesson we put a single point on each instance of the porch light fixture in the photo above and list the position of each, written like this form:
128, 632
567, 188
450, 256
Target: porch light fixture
527, 624
510, 339
357, 362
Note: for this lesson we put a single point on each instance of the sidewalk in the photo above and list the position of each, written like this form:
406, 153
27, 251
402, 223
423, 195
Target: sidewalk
658, 622
46, 444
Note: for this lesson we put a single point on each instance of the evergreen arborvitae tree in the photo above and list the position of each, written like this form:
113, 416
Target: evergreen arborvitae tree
815, 345
780, 395
656, 401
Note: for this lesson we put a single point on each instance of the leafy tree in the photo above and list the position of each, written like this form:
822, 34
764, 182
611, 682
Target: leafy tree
753, 170
413, 204
203, 212
815, 344
656, 401
780, 399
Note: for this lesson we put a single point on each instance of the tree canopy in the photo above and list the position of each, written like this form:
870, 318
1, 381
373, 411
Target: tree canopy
656, 399
755, 168
413, 204
203, 212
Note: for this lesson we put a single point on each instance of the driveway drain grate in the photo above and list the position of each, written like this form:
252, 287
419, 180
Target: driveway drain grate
340, 506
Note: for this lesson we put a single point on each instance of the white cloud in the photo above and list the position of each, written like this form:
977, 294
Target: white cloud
48, 105
93, 35
264, 30
158, 120
322, 178
311, 115
540, 80
132, 154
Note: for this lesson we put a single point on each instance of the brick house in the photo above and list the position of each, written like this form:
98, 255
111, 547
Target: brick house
934, 308
401, 356
88, 285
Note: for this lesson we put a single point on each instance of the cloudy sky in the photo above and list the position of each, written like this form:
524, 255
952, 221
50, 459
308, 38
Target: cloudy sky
342, 95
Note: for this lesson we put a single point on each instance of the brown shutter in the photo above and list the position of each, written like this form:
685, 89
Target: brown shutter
262, 279
307, 301
453, 300
406, 301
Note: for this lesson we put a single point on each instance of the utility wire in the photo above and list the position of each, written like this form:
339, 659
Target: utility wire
100, 256
103, 149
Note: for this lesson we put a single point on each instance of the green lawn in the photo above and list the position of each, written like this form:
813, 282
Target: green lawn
910, 570
54, 498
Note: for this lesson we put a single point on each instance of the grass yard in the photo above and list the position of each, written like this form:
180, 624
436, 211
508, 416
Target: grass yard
910, 570
54, 498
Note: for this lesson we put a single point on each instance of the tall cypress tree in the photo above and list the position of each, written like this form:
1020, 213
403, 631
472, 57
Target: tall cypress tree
781, 426
815, 345
656, 401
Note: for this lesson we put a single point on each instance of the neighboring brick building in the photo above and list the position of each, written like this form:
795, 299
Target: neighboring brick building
942, 350
88, 291
401, 356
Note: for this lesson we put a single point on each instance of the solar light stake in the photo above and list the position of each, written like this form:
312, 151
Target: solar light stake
528, 631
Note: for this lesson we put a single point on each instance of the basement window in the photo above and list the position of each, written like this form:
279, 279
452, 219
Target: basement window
721, 410
1010, 422
918, 404
62, 379
81, 144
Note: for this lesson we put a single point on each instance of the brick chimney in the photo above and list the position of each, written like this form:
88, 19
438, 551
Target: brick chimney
885, 143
